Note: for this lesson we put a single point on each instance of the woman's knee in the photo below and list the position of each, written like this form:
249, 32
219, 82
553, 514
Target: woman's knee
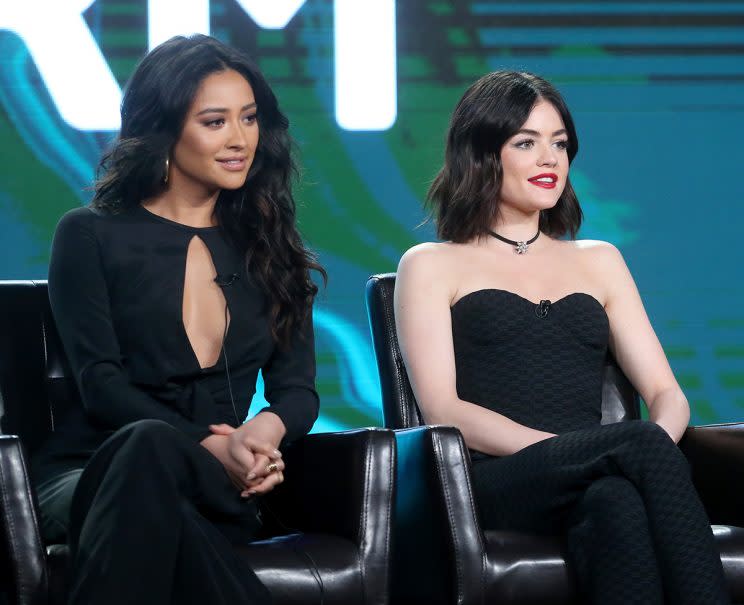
612, 509
148, 442
649, 439
613, 493
148, 431
648, 452
644, 431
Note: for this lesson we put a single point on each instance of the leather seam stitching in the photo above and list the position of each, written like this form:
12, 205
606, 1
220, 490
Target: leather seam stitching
388, 517
448, 502
8, 518
473, 508
389, 316
363, 514
32, 508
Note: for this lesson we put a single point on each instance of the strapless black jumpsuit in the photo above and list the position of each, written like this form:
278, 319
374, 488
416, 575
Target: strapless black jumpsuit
636, 531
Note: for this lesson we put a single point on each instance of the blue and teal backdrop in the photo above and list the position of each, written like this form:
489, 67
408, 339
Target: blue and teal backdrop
656, 88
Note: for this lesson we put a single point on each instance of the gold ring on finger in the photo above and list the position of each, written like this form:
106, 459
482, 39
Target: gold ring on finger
272, 468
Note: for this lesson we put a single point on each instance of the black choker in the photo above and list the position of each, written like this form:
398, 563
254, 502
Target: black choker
519, 247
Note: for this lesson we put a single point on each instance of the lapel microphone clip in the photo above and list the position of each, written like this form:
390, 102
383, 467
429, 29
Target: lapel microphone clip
223, 280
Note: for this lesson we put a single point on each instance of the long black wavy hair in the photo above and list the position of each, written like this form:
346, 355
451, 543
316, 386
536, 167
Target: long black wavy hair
259, 217
464, 196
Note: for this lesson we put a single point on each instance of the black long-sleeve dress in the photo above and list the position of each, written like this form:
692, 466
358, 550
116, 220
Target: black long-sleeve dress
116, 288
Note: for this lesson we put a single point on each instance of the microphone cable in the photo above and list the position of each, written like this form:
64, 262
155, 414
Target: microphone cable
227, 367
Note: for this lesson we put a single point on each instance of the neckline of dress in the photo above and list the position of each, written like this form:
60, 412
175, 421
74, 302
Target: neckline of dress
527, 300
172, 223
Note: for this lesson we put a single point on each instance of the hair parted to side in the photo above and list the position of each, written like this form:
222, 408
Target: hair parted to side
464, 197
260, 217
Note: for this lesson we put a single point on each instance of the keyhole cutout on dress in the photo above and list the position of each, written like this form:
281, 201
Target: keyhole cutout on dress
205, 313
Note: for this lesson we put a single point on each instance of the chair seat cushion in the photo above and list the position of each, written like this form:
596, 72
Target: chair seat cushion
525, 569
295, 568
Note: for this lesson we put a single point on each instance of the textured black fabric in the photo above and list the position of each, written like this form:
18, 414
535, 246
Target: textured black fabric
545, 373
611, 513
619, 532
635, 528
116, 291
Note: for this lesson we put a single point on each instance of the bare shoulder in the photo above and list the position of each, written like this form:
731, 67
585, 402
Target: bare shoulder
428, 257
593, 246
604, 262
430, 269
602, 255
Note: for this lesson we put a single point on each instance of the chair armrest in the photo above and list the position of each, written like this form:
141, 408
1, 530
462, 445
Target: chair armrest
24, 559
439, 552
342, 484
716, 457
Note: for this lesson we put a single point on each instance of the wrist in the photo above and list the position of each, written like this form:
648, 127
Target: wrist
270, 425
674, 432
209, 439
213, 442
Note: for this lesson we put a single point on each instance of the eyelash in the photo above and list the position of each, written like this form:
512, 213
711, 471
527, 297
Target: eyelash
219, 121
523, 144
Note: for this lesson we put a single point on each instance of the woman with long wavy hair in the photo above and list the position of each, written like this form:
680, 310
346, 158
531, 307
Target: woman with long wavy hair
183, 279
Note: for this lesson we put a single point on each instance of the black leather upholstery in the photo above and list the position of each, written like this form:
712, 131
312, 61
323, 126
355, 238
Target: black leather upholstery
329, 532
435, 505
24, 560
399, 407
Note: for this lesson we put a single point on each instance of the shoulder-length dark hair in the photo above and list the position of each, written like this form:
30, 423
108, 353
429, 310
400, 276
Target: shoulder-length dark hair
464, 197
259, 217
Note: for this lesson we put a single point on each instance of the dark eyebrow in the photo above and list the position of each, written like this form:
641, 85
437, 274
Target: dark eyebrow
225, 110
534, 133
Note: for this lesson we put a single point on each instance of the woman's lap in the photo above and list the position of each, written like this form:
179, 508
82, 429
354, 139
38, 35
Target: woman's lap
148, 503
56, 492
535, 489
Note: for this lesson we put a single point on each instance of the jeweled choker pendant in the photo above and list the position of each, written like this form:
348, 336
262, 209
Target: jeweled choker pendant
520, 247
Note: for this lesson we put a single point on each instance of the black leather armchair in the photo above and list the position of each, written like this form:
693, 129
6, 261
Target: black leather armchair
436, 524
339, 541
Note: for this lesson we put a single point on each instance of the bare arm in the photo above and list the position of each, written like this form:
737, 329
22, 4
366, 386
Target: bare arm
637, 349
422, 317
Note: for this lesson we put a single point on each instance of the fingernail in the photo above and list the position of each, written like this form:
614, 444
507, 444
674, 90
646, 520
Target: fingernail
251, 476
277, 453
252, 492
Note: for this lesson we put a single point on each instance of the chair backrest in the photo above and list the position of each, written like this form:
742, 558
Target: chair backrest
36, 385
619, 398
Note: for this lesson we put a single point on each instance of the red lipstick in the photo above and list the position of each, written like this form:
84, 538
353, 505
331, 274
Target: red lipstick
546, 180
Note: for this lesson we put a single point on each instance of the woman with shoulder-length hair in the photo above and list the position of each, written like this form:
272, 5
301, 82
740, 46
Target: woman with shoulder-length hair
504, 328
183, 279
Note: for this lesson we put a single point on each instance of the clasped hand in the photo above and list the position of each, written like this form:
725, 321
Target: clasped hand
249, 453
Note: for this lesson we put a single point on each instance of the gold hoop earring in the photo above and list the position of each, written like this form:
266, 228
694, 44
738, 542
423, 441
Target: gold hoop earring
167, 169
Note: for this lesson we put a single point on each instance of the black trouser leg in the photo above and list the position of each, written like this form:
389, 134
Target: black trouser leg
537, 488
140, 513
201, 554
55, 498
610, 546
